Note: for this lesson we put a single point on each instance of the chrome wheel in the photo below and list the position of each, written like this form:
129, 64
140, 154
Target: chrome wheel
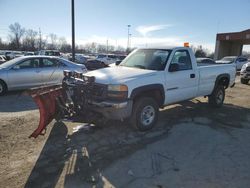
147, 115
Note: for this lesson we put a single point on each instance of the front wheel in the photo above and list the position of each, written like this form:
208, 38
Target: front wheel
216, 99
145, 114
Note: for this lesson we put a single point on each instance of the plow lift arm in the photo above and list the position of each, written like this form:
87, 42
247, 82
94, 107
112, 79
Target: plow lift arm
65, 101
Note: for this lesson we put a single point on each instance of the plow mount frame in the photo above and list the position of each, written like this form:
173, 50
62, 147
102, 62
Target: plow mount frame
70, 100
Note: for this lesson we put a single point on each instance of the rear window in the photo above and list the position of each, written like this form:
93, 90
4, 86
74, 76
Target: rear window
49, 63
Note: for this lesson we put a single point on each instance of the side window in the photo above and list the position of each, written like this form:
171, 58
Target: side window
182, 58
49, 63
31, 63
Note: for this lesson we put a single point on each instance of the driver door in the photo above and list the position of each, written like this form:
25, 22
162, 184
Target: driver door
181, 84
25, 74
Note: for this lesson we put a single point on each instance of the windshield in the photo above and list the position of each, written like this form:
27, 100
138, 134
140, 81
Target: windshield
10, 63
151, 59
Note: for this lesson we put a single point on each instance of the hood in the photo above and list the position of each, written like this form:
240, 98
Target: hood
119, 74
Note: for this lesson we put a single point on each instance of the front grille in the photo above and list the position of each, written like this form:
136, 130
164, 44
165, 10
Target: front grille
99, 91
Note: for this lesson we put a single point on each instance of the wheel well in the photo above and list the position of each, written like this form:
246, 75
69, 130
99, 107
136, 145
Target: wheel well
4, 83
223, 81
155, 94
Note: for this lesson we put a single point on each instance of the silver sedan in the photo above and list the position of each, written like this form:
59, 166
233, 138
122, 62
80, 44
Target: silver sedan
32, 71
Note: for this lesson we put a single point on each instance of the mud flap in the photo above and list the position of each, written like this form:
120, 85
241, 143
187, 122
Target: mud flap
45, 99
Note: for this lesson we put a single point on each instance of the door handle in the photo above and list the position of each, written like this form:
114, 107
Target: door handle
192, 75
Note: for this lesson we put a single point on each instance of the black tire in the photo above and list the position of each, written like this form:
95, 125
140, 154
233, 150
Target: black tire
216, 99
3, 88
244, 81
144, 105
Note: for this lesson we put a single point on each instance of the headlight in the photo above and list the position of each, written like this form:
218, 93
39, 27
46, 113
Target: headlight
89, 79
243, 68
119, 91
77, 74
67, 73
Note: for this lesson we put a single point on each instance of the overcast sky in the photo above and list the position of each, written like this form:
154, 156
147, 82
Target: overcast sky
153, 22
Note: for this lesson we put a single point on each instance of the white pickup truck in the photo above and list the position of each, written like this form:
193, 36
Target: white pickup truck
146, 80
149, 79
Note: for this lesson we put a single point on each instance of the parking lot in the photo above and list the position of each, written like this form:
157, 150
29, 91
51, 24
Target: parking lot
193, 145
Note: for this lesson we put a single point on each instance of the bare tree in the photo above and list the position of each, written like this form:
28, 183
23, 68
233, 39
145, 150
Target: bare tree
63, 45
199, 51
30, 40
120, 49
16, 34
101, 48
52, 41
40, 40
3, 45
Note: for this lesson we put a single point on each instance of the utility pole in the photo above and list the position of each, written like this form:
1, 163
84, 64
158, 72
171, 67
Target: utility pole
107, 46
128, 37
73, 29
40, 39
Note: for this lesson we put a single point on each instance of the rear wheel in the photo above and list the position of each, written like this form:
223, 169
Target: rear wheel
244, 81
3, 88
216, 99
145, 114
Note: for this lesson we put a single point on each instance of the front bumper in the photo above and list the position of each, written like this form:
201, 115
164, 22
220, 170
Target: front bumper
113, 110
245, 75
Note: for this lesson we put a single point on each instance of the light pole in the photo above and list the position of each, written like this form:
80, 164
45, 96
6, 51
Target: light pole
107, 50
128, 37
73, 29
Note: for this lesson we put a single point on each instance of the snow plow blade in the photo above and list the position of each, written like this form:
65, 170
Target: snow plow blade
46, 100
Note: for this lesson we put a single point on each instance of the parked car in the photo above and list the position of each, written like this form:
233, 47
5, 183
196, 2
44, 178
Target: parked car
79, 58
13, 54
239, 61
2, 59
18, 54
9, 55
31, 71
49, 52
93, 64
106, 58
29, 53
245, 73
205, 61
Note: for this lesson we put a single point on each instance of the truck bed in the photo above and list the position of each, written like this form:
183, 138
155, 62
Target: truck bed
208, 74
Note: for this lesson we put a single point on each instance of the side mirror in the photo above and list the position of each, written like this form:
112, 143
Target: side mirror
174, 67
118, 62
16, 67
